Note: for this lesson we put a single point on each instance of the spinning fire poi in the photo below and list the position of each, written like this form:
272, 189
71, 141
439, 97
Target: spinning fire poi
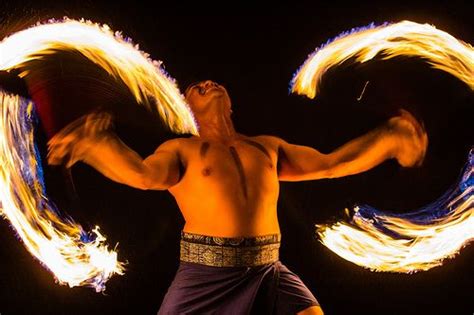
239, 175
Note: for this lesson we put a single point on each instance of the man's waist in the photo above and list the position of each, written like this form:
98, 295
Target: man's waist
229, 251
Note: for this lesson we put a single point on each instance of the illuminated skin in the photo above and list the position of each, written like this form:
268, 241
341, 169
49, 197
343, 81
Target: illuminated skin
225, 183
230, 183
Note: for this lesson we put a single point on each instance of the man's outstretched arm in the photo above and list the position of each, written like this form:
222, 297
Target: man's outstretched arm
88, 140
401, 138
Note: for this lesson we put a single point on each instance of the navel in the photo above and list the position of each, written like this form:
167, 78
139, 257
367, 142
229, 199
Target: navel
240, 169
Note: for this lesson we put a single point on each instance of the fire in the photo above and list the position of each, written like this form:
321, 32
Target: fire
419, 240
410, 242
74, 256
145, 78
61, 245
440, 50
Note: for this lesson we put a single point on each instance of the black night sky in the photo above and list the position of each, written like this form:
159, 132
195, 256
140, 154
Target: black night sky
254, 52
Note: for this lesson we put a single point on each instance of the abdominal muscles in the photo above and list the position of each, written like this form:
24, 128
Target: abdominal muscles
229, 191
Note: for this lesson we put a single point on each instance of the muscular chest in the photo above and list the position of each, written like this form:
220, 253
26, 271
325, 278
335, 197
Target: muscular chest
242, 163
243, 156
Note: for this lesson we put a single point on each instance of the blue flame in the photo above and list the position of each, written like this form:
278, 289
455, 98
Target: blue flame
429, 214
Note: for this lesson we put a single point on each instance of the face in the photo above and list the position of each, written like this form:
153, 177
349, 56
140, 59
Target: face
207, 96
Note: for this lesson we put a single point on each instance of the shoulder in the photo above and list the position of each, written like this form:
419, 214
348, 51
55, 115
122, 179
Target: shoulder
273, 143
270, 140
171, 145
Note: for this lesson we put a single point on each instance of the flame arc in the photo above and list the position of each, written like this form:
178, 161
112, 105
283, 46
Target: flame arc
421, 239
74, 256
145, 78
61, 245
410, 242
440, 50
375, 239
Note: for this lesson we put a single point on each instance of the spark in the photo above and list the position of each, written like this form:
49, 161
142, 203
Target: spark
363, 91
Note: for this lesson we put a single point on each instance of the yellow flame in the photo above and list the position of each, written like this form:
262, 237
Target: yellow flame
420, 246
119, 57
440, 49
54, 241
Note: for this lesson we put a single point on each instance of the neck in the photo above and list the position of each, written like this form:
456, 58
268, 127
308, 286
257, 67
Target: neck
217, 128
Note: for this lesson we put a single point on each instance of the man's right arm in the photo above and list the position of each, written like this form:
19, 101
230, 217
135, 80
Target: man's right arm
107, 153
118, 162
115, 160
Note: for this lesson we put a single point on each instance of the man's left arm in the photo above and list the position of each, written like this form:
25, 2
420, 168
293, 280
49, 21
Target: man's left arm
401, 138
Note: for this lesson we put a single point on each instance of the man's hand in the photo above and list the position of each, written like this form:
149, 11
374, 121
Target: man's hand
72, 143
410, 138
88, 139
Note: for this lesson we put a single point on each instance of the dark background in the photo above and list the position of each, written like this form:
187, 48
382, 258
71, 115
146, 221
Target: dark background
254, 53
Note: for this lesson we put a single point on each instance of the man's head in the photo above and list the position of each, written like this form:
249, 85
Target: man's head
208, 98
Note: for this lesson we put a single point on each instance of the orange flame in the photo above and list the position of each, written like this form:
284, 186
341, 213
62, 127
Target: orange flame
54, 241
418, 246
441, 50
144, 77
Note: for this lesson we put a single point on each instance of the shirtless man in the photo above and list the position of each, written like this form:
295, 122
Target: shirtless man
226, 184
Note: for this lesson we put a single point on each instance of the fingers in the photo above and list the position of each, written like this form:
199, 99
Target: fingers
412, 139
420, 139
57, 153
67, 154
67, 134
97, 123
87, 125
418, 126
70, 143
423, 147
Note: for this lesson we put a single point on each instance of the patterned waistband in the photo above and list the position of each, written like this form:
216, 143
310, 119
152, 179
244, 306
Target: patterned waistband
229, 251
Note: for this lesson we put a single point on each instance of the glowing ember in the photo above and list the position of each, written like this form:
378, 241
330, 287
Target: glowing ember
421, 239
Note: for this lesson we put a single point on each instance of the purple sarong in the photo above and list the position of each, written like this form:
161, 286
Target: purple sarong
265, 289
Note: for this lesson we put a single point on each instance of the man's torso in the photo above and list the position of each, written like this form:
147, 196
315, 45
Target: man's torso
228, 189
